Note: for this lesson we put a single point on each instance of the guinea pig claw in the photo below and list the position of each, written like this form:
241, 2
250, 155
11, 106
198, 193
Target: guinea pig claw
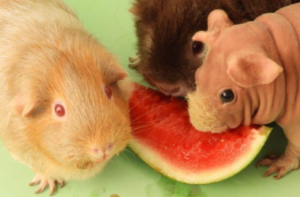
61, 183
134, 61
36, 180
264, 162
280, 165
44, 182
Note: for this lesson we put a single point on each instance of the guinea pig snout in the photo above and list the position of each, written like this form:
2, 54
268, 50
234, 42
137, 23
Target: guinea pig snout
204, 116
101, 153
171, 89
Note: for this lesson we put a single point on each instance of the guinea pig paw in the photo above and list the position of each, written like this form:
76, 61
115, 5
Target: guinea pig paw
134, 61
280, 165
44, 182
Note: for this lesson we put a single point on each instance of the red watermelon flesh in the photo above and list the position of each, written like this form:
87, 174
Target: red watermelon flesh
164, 139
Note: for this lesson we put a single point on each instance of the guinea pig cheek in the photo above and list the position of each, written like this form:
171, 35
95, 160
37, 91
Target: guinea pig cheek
59, 111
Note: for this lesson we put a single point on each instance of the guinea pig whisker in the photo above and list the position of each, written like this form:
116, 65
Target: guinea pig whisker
128, 160
144, 129
146, 141
137, 103
141, 131
137, 118
142, 125
127, 150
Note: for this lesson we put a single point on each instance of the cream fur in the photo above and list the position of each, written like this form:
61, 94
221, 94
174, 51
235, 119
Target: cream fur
203, 114
47, 55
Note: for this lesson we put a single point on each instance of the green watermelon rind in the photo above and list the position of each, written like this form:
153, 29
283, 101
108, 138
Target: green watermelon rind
203, 177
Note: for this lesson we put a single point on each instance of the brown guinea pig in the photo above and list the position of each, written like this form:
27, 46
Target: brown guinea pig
64, 98
167, 57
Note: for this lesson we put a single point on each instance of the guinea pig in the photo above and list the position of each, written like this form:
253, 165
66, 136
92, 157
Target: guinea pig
64, 97
251, 76
166, 55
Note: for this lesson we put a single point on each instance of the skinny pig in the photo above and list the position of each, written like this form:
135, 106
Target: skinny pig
251, 75
63, 97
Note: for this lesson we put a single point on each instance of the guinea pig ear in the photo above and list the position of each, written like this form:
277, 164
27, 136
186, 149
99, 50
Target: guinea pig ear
251, 69
218, 19
23, 105
202, 36
115, 74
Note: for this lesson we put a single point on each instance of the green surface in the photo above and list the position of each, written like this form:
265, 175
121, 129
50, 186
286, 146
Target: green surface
126, 175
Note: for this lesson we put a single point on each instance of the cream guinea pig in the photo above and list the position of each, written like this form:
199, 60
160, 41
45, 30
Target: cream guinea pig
64, 97
251, 76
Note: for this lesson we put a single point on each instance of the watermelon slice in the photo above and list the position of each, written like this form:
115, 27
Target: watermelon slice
165, 140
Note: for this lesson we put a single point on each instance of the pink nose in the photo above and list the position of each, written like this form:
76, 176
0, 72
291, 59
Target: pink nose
96, 151
98, 155
172, 90
99, 152
169, 90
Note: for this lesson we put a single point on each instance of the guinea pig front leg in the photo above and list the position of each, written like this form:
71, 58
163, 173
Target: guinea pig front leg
285, 163
46, 181
135, 61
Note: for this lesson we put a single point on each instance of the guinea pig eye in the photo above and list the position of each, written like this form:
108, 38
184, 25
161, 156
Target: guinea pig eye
227, 96
59, 110
197, 47
108, 92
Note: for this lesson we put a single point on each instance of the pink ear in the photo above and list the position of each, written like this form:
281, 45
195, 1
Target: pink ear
119, 74
115, 74
202, 36
23, 106
249, 69
218, 19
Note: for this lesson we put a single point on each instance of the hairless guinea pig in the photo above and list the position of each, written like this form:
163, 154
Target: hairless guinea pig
63, 97
167, 56
251, 76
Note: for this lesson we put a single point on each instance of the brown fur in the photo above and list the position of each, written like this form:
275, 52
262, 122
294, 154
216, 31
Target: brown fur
165, 28
47, 55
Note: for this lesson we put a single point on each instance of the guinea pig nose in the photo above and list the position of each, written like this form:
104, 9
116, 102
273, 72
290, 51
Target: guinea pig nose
176, 90
99, 152
95, 150
109, 147
168, 90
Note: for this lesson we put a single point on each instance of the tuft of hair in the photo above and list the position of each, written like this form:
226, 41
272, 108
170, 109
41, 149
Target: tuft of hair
203, 113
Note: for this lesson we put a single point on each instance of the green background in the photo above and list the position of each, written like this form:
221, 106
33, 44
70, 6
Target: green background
126, 175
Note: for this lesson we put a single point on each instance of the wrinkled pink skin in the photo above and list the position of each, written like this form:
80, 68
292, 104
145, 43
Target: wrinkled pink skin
260, 62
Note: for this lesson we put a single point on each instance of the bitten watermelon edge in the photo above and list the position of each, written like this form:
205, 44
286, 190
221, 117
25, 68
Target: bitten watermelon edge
164, 139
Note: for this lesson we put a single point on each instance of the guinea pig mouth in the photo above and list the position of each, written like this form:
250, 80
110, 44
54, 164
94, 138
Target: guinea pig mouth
93, 162
84, 166
208, 125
